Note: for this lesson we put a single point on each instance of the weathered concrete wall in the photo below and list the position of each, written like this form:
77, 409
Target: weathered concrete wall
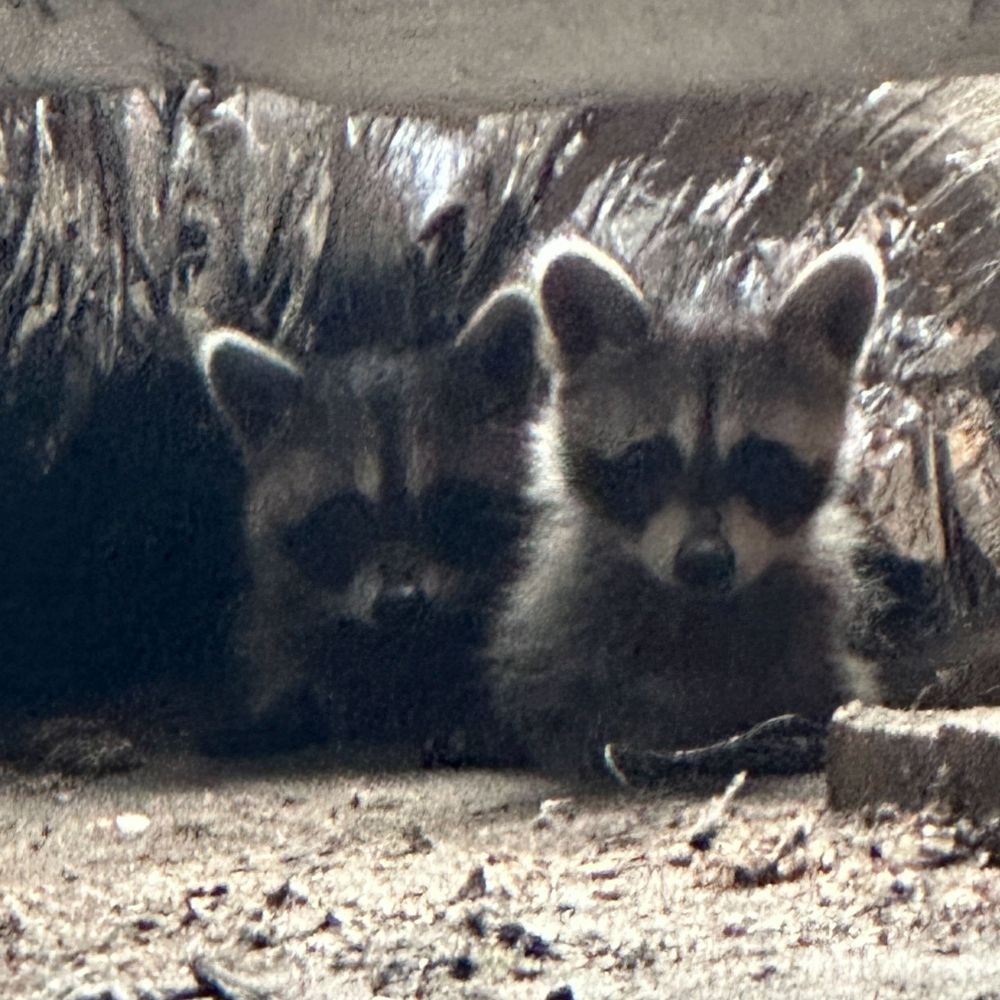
429, 56
950, 760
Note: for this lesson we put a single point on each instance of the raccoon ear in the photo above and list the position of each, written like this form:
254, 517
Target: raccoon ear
252, 384
495, 367
836, 298
587, 299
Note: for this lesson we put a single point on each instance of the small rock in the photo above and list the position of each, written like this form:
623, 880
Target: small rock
902, 887
286, 893
680, 856
537, 947
475, 923
474, 886
417, 842
215, 892
463, 968
606, 895
549, 809
510, 934
257, 937
885, 813
522, 974
132, 824
12, 921
561, 993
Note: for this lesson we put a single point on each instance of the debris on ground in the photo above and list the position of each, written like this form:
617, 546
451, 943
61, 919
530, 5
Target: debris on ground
786, 744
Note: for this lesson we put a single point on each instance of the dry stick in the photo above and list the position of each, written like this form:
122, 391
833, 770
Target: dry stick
224, 985
785, 744
711, 820
755, 876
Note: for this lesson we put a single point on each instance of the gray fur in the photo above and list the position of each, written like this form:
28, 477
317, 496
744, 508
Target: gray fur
601, 639
361, 624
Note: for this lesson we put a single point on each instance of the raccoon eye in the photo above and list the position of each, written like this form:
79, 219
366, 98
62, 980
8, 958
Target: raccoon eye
779, 488
631, 487
467, 525
331, 544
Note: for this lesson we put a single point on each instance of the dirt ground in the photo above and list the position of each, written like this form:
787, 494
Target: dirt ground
315, 877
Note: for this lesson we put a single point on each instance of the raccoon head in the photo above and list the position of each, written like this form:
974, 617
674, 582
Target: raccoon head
704, 440
383, 486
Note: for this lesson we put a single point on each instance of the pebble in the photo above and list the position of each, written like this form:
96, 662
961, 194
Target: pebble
132, 824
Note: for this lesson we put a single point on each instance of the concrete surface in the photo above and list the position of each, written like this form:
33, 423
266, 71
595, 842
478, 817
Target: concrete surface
915, 759
427, 54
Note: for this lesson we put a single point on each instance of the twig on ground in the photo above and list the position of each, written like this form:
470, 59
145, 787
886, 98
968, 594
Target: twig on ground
715, 814
773, 871
225, 985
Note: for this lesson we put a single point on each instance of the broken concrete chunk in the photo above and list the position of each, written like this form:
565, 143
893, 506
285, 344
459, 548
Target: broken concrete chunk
913, 758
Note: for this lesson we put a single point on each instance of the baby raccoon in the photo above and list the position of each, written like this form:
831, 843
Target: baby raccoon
679, 588
384, 503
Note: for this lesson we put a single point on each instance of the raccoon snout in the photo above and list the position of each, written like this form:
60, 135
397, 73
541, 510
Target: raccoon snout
400, 608
705, 563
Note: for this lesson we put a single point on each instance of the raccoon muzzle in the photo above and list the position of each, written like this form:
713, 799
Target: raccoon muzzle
705, 563
401, 609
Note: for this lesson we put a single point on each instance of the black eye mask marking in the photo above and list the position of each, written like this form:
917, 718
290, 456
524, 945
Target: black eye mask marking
780, 489
331, 544
631, 487
467, 525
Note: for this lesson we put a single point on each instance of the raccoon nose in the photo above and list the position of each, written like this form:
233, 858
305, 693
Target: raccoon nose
705, 563
400, 608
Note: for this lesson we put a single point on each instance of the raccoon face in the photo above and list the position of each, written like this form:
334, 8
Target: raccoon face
384, 493
703, 444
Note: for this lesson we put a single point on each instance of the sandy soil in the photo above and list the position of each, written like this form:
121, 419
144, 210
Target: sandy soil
315, 877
